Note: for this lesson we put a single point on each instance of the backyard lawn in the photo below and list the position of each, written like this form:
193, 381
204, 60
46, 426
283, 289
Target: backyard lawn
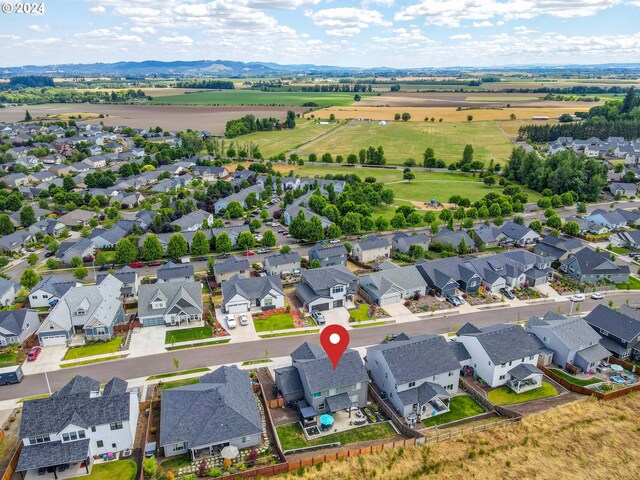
505, 396
173, 464
360, 314
292, 437
279, 321
8, 359
180, 383
574, 380
633, 284
186, 334
462, 406
98, 348
118, 470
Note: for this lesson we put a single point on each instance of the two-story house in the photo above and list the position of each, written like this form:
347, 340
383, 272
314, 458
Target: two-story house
76, 424
445, 276
240, 295
502, 355
519, 234
418, 374
557, 248
170, 303
17, 325
129, 278
49, 291
590, 266
312, 378
571, 339
220, 410
282, 263
193, 221
326, 288
371, 249
328, 256
230, 267
620, 329
402, 242
79, 248
171, 272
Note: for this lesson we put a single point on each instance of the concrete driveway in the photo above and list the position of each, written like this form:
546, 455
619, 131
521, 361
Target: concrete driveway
147, 341
398, 310
240, 333
338, 316
49, 359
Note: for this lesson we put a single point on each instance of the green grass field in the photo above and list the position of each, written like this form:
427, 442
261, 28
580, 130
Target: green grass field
574, 380
184, 335
120, 470
291, 435
460, 407
277, 141
98, 348
256, 97
279, 321
8, 359
505, 396
402, 140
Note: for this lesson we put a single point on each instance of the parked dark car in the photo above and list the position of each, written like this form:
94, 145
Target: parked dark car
223, 256
507, 293
49, 254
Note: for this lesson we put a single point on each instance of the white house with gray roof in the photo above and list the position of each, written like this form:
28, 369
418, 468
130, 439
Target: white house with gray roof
49, 291
502, 355
240, 197
571, 339
418, 374
218, 411
76, 424
8, 290
326, 288
620, 329
129, 278
171, 272
402, 242
192, 222
17, 325
393, 285
371, 249
240, 295
519, 234
312, 378
79, 248
174, 303
229, 267
284, 262
94, 309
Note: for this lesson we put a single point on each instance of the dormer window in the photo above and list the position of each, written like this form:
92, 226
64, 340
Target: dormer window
80, 311
158, 304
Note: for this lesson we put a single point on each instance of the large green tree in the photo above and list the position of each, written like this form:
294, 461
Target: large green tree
199, 244
126, 252
29, 278
245, 241
177, 246
27, 216
152, 248
223, 243
6, 227
268, 239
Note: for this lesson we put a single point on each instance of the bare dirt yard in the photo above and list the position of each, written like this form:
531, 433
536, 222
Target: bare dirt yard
168, 117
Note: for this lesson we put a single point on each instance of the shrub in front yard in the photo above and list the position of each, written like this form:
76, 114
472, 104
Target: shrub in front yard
149, 466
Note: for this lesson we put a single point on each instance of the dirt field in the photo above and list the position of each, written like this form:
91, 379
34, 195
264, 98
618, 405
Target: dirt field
144, 116
449, 114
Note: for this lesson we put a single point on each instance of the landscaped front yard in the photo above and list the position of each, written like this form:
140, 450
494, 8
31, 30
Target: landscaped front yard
180, 383
460, 407
574, 380
279, 321
186, 334
98, 348
505, 396
114, 470
359, 314
8, 359
633, 284
292, 437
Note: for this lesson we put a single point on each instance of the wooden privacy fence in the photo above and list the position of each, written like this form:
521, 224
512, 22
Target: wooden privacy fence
450, 434
402, 427
276, 403
480, 397
572, 387
13, 463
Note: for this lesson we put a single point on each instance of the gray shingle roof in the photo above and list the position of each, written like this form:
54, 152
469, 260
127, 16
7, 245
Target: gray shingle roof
73, 403
52, 454
524, 370
615, 322
282, 259
323, 278
592, 262
13, 320
573, 332
422, 394
252, 288
373, 242
340, 401
289, 380
231, 265
170, 270
487, 233
515, 231
594, 354
179, 297
418, 357
219, 408
401, 279
321, 251
505, 343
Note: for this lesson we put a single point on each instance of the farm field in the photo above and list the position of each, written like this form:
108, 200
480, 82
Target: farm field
402, 140
380, 111
256, 97
174, 117
275, 142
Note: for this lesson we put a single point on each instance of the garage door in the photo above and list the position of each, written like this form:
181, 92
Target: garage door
53, 340
320, 307
238, 308
390, 300
338, 303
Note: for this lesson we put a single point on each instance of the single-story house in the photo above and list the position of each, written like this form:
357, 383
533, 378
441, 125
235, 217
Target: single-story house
240, 295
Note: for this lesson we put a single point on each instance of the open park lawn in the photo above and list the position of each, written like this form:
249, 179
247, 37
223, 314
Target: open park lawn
402, 140
574, 380
186, 334
118, 470
98, 348
505, 396
257, 97
462, 406
360, 314
292, 437
279, 321
8, 359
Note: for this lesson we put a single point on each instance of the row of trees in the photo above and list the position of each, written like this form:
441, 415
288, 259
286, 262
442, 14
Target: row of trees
208, 83
249, 123
369, 156
357, 87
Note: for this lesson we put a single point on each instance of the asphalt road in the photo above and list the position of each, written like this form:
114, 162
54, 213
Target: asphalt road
283, 346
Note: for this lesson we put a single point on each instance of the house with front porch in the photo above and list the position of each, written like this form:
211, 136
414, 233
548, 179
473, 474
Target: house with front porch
326, 288
240, 295
392, 285
170, 304
590, 266
207, 416
571, 340
94, 309
418, 374
17, 325
502, 355
312, 378
75, 424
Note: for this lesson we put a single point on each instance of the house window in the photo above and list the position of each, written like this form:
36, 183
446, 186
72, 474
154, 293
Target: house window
81, 434
80, 311
321, 406
116, 426
545, 339
412, 384
386, 375
356, 386
451, 373
337, 289
113, 445
51, 326
604, 332
510, 363
93, 429
317, 394
245, 439
73, 435
376, 363
449, 387
268, 302
531, 357
99, 444
435, 377
502, 377
157, 305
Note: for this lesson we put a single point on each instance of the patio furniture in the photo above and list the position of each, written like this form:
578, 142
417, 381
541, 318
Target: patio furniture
229, 452
617, 379
326, 421
616, 368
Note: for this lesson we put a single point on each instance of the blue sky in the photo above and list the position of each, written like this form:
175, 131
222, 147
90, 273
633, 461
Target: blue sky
366, 33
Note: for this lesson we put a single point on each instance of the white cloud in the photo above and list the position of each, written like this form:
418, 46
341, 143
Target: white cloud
347, 21
452, 12
383, 3
179, 40
9, 37
105, 35
42, 41
39, 28
143, 30
98, 10
483, 24
461, 36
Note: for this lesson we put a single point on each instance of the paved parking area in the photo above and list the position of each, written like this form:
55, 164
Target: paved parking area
240, 333
49, 359
399, 310
338, 316
147, 341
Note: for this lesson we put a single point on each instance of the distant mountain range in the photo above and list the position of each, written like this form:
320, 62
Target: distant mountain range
228, 68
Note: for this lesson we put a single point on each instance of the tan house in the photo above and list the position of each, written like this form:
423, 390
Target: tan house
371, 249
231, 266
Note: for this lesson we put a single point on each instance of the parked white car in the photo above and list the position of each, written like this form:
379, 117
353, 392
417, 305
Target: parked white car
578, 297
597, 296
231, 321
334, 240
244, 320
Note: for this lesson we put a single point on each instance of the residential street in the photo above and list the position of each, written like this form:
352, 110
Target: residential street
282, 346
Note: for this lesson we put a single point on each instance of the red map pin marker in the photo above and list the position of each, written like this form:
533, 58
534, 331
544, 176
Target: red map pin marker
334, 340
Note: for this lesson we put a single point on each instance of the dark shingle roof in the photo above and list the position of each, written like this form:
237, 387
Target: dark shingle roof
52, 454
170, 270
522, 371
231, 264
373, 242
319, 375
615, 322
251, 288
514, 230
289, 380
422, 394
219, 408
505, 343
13, 320
282, 259
591, 262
